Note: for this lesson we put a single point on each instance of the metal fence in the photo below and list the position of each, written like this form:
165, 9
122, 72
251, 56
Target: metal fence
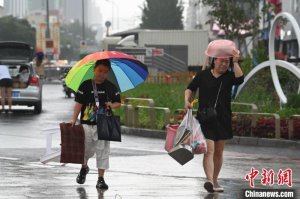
253, 123
170, 78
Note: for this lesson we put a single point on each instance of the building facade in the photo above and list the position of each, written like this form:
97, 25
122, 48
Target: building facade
72, 11
290, 44
16, 8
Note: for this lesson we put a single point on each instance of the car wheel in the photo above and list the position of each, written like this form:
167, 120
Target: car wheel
38, 108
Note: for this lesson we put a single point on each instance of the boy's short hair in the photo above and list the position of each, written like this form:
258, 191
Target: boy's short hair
104, 62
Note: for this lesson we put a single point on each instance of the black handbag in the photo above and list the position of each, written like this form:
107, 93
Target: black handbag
108, 125
208, 114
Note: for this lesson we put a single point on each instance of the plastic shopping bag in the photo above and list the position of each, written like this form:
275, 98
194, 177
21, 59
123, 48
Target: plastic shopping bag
197, 140
182, 152
176, 133
188, 132
185, 128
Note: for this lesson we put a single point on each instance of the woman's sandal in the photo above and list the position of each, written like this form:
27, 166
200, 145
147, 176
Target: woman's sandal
209, 186
218, 189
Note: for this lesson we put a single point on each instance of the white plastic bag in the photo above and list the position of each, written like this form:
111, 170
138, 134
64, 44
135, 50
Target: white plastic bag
197, 139
189, 132
185, 128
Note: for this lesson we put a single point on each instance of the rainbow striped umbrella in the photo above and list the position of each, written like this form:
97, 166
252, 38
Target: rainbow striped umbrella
126, 71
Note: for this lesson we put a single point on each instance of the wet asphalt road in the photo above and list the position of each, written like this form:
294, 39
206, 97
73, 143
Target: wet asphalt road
139, 167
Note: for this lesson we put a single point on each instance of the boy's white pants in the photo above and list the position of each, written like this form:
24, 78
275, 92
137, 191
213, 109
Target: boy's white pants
93, 145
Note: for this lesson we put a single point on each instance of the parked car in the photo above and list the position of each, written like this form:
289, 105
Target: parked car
27, 86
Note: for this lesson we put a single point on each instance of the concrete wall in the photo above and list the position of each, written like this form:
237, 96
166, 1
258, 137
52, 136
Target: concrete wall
196, 40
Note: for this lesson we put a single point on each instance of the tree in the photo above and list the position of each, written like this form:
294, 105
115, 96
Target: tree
14, 29
162, 15
234, 17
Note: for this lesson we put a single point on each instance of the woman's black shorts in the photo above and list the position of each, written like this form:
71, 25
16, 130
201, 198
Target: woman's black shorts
6, 83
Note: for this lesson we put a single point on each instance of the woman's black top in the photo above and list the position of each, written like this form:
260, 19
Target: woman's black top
208, 85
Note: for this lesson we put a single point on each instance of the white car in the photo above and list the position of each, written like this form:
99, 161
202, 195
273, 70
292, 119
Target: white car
27, 86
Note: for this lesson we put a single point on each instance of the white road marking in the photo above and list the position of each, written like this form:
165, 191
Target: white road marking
7, 158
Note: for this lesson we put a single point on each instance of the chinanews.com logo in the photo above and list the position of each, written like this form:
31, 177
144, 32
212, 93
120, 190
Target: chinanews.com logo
269, 193
269, 178
284, 177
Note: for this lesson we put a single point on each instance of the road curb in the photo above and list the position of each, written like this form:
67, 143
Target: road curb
252, 141
151, 133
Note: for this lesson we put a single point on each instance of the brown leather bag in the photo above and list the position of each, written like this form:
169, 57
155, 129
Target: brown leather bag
72, 143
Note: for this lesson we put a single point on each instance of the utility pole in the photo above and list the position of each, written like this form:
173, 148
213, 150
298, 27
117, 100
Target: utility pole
83, 31
47, 20
49, 41
83, 42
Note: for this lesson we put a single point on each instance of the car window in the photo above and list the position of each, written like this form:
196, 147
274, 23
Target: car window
14, 53
16, 70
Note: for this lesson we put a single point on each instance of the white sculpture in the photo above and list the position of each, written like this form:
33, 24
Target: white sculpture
273, 62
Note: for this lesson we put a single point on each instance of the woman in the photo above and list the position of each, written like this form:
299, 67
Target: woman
5, 88
215, 84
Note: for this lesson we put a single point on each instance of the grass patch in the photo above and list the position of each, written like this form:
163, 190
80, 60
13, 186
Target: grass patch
259, 90
164, 95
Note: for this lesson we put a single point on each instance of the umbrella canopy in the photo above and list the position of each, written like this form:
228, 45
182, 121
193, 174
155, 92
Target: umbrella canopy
126, 71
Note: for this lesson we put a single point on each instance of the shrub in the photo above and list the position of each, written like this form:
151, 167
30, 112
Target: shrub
294, 101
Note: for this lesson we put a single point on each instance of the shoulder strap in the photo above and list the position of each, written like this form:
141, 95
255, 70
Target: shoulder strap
218, 95
95, 93
106, 91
